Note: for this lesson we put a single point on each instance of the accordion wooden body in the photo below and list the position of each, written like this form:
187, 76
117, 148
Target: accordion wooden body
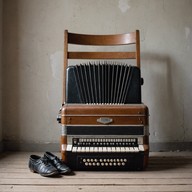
104, 123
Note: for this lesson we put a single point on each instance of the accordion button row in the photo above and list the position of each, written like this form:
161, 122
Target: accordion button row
107, 144
107, 140
106, 149
111, 160
104, 162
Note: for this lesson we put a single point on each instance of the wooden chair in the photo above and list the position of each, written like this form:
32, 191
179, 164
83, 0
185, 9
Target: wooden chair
99, 40
96, 40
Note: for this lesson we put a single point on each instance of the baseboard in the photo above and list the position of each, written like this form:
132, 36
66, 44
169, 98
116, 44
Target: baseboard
36, 147
171, 146
55, 147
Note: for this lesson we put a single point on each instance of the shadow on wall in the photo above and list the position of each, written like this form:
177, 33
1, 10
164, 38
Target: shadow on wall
10, 73
162, 92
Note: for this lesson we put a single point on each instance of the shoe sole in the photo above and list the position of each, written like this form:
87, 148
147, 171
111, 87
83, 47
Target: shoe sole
45, 175
65, 172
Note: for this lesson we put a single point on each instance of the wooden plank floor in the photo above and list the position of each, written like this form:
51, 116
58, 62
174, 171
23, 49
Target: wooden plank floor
170, 171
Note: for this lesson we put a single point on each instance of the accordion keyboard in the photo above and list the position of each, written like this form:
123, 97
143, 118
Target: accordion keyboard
105, 149
115, 145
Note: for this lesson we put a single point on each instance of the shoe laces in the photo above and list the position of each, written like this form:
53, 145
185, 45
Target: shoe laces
45, 161
57, 160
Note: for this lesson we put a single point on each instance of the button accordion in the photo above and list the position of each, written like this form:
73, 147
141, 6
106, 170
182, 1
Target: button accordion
104, 123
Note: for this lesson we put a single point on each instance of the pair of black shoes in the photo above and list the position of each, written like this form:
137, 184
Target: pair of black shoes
48, 165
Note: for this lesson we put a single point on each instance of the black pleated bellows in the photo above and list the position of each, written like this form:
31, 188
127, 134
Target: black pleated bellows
103, 83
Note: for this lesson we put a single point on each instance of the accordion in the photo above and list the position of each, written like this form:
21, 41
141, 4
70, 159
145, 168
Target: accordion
104, 123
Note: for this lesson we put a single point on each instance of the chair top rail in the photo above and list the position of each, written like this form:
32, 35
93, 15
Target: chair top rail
102, 40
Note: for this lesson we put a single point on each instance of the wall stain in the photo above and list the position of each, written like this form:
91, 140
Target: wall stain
124, 5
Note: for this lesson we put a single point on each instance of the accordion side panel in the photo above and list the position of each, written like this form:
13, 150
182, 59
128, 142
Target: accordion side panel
134, 93
72, 92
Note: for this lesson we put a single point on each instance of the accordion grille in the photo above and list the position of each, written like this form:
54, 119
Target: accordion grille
103, 83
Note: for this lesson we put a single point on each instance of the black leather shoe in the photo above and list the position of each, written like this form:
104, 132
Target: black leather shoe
57, 163
42, 166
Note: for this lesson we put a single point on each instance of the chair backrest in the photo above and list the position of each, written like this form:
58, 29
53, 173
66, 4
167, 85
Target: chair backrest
99, 40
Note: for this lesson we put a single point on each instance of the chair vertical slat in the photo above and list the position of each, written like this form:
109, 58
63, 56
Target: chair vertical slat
65, 63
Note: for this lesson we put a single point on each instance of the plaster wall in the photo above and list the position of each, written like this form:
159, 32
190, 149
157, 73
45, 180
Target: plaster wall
33, 58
